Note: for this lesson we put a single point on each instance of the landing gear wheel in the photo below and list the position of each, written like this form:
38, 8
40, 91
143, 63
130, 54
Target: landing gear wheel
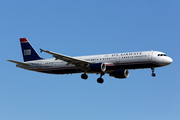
100, 80
84, 76
153, 74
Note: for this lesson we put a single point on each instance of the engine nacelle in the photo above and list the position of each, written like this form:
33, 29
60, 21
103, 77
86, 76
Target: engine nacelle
97, 67
120, 74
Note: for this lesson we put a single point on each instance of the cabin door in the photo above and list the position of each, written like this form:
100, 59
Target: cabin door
39, 64
118, 59
150, 55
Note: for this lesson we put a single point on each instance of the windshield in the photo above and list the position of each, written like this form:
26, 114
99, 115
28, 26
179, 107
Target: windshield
161, 55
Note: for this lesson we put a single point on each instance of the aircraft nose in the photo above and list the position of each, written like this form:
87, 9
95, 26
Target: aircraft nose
169, 60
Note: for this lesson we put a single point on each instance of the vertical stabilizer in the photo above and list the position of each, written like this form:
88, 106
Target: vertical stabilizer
28, 51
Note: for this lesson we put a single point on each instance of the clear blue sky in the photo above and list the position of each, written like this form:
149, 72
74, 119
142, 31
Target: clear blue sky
79, 27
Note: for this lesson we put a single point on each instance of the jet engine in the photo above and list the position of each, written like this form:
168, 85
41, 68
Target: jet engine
97, 67
120, 74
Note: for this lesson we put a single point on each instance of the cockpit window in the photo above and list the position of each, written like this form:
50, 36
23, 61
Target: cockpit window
162, 55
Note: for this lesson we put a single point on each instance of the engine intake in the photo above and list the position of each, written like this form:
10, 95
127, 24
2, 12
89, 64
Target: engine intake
120, 74
98, 67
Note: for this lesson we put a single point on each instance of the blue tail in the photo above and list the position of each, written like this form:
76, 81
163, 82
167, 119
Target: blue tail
28, 51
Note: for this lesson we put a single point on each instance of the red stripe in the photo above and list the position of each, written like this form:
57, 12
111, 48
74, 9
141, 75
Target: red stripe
23, 40
109, 64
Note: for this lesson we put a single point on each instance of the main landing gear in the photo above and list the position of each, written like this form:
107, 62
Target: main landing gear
99, 80
153, 74
84, 76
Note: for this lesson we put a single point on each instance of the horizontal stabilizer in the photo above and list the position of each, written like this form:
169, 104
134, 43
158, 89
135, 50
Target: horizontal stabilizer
21, 63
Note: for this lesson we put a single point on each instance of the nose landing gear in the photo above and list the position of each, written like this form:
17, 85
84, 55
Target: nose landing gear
153, 74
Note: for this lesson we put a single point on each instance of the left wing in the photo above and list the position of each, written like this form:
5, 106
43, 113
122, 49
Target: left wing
68, 59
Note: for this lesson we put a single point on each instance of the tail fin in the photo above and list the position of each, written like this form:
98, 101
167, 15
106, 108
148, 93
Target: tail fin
28, 51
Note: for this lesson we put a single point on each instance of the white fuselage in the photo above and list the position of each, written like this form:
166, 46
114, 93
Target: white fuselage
113, 62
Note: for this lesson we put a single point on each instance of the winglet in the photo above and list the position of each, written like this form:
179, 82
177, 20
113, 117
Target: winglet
41, 50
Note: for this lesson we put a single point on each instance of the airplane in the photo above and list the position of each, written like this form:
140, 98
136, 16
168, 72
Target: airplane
116, 65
